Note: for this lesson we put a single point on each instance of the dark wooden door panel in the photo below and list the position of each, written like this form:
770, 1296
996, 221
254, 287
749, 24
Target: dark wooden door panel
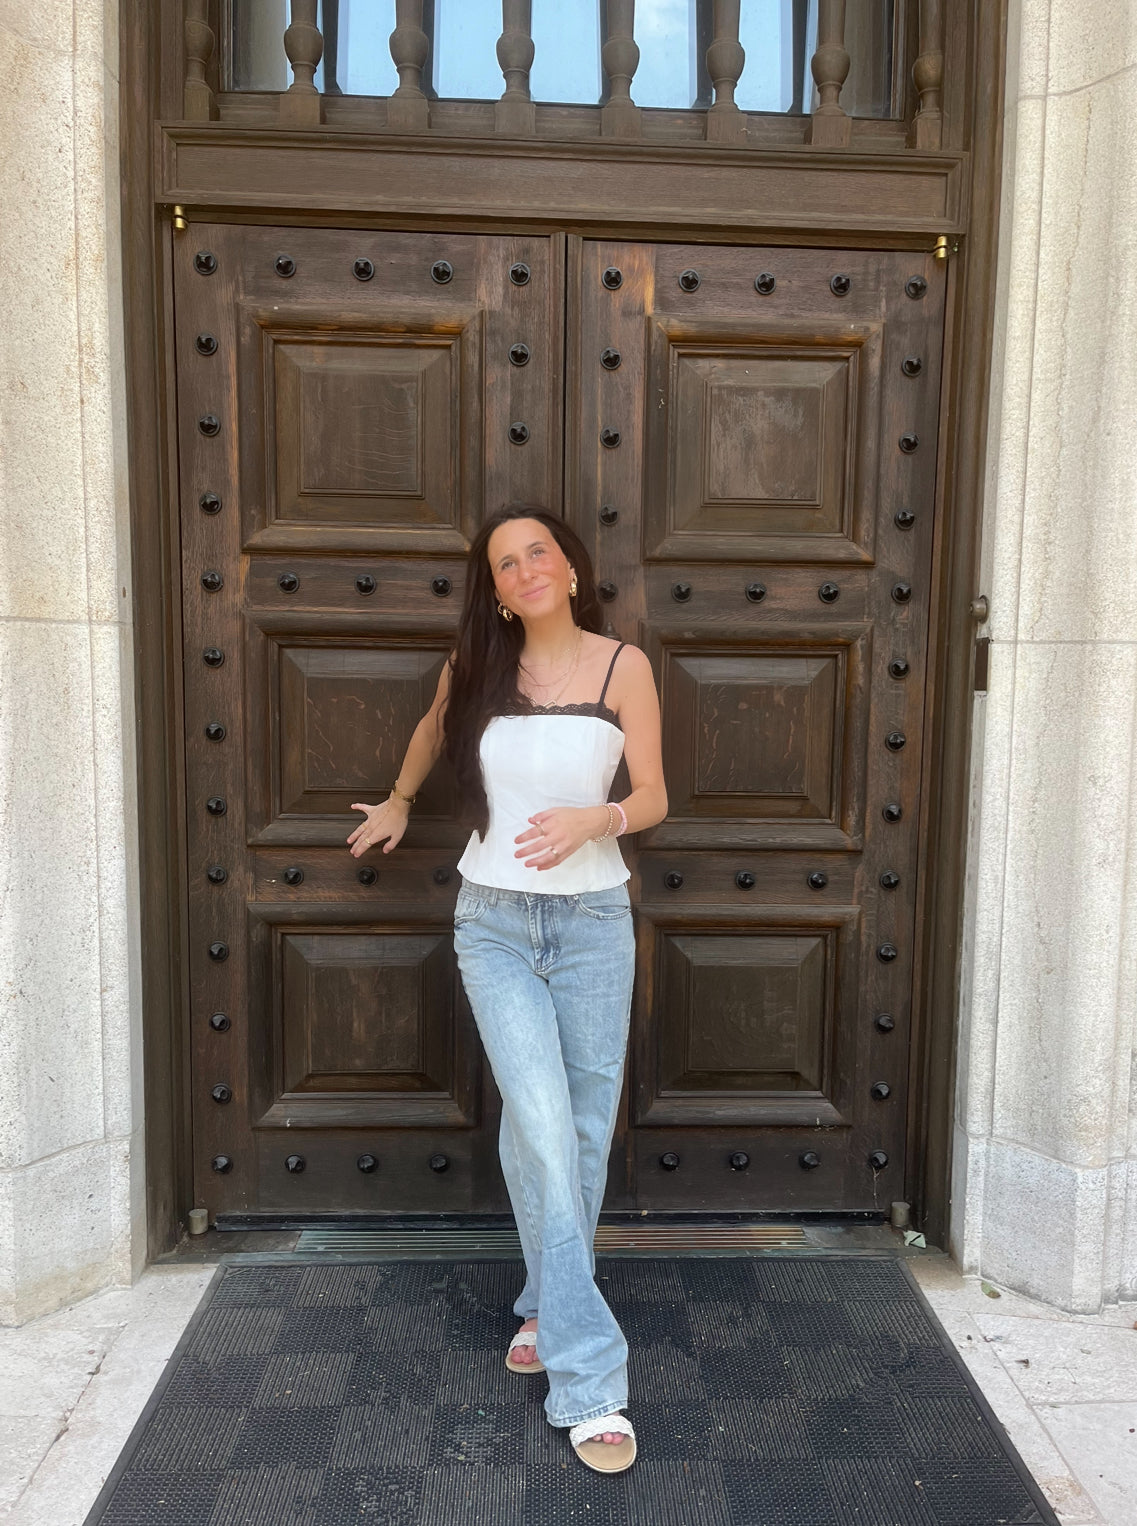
754, 466
350, 406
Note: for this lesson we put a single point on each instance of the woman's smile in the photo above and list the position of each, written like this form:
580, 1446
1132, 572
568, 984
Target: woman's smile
533, 592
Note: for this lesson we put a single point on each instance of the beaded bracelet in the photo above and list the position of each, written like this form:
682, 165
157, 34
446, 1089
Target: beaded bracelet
623, 818
608, 829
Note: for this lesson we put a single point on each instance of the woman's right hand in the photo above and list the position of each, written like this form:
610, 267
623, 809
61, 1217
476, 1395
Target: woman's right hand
388, 819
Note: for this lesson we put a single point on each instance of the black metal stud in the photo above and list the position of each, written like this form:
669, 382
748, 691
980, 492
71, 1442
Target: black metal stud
519, 354
216, 806
519, 274
217, 874
688, 280
669, 1160
212, 581
745, 880
840, 286
284, 265
293, 876
764, 283
519, 433
365, 583
222, 1163
878, 1160
887, 952
879, 1090
209, 503
911, 365
607, 591
366, 1164
441, 876
204, 262
220, 1022
610, 359
892, 811
681, 592
755, 592
222, 1093
895, 740
363, 270
442, 271
439, 1162
215, 731
213, 656
889, 880
828, 592
288, 582
608, 515
915, 286
902, 592
904, 518
817, 880
885, 1022
609, 437
612, 278
295, 1164
809, 1160
908, 442
898, 668
440, 586
739, 1160
205, 344
367, 876
219, 952
209, 424
673, 879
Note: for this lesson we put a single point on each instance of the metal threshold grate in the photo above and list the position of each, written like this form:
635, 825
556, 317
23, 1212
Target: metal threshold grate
648, 1239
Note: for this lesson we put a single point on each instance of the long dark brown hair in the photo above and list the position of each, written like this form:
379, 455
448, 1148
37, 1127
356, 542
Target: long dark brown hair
483, 671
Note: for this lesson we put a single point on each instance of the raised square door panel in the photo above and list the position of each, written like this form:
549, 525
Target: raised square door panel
761, 440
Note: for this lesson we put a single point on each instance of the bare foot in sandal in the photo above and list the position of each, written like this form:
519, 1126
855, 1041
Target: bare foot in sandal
523, 1355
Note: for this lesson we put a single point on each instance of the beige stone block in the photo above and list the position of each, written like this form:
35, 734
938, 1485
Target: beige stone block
1100, 1443
1043, 1226
51, 1091
47, 26
1058, 1362
1079, 553
1088, 46
1063, 1022
1016, 301
85, 1247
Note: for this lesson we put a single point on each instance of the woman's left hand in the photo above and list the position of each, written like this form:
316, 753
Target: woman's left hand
564, 828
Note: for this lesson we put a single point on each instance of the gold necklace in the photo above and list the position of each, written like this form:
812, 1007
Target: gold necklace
548, 704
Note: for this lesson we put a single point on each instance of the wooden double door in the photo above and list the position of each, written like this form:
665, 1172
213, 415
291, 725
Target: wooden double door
746, 439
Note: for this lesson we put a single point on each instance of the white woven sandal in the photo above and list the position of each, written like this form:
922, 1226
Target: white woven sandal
604, 1456
523, 1338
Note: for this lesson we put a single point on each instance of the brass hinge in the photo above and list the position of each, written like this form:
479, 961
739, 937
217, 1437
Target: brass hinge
944, 247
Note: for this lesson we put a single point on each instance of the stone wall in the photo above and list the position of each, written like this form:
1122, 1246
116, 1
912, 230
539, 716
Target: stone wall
1045, 1174
71, 1200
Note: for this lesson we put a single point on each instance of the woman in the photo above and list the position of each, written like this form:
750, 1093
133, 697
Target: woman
534, 709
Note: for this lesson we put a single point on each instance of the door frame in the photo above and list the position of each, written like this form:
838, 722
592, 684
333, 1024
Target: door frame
976, 44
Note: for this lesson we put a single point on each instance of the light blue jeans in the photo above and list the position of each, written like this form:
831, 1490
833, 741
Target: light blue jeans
549, 979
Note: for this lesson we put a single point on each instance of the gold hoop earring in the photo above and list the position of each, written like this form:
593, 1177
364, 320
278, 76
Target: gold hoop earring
505, 613
572, 587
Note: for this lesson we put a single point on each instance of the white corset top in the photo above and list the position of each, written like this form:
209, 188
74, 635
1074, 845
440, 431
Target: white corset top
534, 762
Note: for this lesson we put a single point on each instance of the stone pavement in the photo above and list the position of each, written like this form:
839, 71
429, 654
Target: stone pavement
73, 1383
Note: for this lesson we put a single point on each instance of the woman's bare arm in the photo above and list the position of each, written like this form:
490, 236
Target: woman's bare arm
638, 712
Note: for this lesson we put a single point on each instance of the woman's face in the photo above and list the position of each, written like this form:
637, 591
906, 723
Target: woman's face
531, 573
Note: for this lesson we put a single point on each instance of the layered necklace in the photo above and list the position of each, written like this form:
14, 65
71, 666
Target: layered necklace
548, 704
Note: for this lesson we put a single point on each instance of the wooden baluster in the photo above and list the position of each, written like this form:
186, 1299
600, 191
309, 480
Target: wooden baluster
197, 98
515, 114
302, 105
830, 125
725, 59
926, 130
619, 115
408, 109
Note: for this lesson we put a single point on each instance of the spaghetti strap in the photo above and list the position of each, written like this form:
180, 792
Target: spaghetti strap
611, 665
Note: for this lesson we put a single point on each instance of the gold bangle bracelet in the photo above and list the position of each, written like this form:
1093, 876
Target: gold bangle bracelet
396, 791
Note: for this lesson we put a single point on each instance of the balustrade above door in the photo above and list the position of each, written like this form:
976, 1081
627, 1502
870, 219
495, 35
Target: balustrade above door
761, 73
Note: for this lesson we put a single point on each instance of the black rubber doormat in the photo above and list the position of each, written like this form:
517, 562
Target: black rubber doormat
765, 1391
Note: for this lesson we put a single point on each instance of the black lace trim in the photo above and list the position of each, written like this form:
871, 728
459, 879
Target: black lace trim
524, 706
